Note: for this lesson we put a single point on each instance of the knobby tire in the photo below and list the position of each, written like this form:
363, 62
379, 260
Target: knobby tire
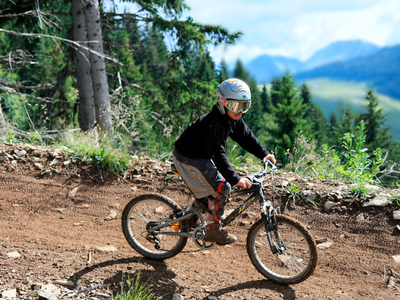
151, 208
296, 263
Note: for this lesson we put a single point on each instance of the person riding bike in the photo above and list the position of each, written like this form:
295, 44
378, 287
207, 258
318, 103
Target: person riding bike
200, 155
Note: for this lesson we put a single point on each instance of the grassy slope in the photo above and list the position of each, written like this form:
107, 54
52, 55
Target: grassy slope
334, 96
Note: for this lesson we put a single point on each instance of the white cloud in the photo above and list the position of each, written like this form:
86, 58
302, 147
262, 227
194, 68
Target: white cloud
298, 28
295, 28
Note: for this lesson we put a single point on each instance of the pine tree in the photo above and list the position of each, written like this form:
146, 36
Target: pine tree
334, 125
240, 72
305, 94
276, 96
318, 128
289, 117
265, 100
223, 72
377, 135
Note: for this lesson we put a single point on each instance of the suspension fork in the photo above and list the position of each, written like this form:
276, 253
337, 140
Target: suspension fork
271, 225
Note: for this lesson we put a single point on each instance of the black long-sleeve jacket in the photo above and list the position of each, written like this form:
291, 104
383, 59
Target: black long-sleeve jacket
206, 138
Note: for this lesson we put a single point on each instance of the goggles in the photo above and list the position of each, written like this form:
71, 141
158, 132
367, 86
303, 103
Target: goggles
236, 106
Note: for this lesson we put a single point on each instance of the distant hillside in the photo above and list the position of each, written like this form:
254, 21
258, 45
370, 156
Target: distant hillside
380, 70
266, 67
339, 52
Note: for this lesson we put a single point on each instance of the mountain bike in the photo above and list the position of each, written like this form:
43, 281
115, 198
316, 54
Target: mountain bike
280, 247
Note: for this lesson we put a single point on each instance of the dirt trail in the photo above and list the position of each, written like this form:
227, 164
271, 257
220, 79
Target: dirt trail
60, 235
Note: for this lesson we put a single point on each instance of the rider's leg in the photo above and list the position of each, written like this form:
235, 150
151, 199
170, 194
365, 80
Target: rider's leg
204, 179
214, 231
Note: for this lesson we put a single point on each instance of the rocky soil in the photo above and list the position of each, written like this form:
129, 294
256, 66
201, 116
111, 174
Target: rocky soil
61, 234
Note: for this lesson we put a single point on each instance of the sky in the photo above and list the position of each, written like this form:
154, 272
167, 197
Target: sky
296, 28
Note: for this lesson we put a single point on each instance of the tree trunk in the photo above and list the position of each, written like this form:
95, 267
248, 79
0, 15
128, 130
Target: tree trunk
2, 120
98, 66
86, 117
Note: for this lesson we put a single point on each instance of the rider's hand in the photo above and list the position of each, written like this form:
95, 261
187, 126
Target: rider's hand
271, 158
244, 183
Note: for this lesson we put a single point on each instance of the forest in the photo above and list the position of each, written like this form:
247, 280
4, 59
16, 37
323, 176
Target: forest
136, 80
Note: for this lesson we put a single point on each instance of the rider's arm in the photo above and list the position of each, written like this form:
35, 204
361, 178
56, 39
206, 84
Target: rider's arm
242, 134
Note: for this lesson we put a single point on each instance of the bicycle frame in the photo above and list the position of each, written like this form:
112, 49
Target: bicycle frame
266, 208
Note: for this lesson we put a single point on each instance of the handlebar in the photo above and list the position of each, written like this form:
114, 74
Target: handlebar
265, 171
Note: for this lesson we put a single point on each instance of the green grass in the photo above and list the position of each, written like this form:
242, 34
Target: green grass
106, 154
136, 290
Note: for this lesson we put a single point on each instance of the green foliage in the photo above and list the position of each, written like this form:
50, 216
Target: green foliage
356, 165
136, 290
359, 191
103, 152
292, 194
301, 156
288, 116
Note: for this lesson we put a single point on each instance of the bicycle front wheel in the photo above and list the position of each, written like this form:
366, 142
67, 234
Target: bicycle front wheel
299, 251
144, 212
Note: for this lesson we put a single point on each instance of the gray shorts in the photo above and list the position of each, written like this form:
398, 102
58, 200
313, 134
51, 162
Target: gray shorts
200, 174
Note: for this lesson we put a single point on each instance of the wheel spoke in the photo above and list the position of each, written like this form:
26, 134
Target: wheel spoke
297, 258
146, 212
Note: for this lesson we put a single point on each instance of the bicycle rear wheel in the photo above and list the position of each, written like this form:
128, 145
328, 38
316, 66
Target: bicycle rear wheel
144, 212
299, 257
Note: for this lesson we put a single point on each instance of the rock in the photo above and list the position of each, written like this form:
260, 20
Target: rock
47, 296
284, 183
53, 154
19, 153
14, 162
360, 217
108, 248
396, 215
372, 188
329, 205
3, 158
38, 166
10, 294
176, 296
379, 200
325, 245
14, 254
53, 162
67, 162
111, 216
310, 195
396, 258
392, 282
211, 297
50, 288
72, 193
159, 210
321, 240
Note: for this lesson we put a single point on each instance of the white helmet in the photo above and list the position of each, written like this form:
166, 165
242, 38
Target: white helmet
233, 94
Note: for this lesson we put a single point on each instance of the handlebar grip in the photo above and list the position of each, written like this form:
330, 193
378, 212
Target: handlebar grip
273, 167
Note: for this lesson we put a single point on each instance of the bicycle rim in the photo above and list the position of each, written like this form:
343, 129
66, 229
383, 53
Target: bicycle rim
139, 214
299, 257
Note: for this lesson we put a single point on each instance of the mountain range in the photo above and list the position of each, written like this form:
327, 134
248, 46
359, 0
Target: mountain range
356, 61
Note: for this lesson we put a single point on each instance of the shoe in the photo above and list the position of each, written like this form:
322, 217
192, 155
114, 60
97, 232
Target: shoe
215, 233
